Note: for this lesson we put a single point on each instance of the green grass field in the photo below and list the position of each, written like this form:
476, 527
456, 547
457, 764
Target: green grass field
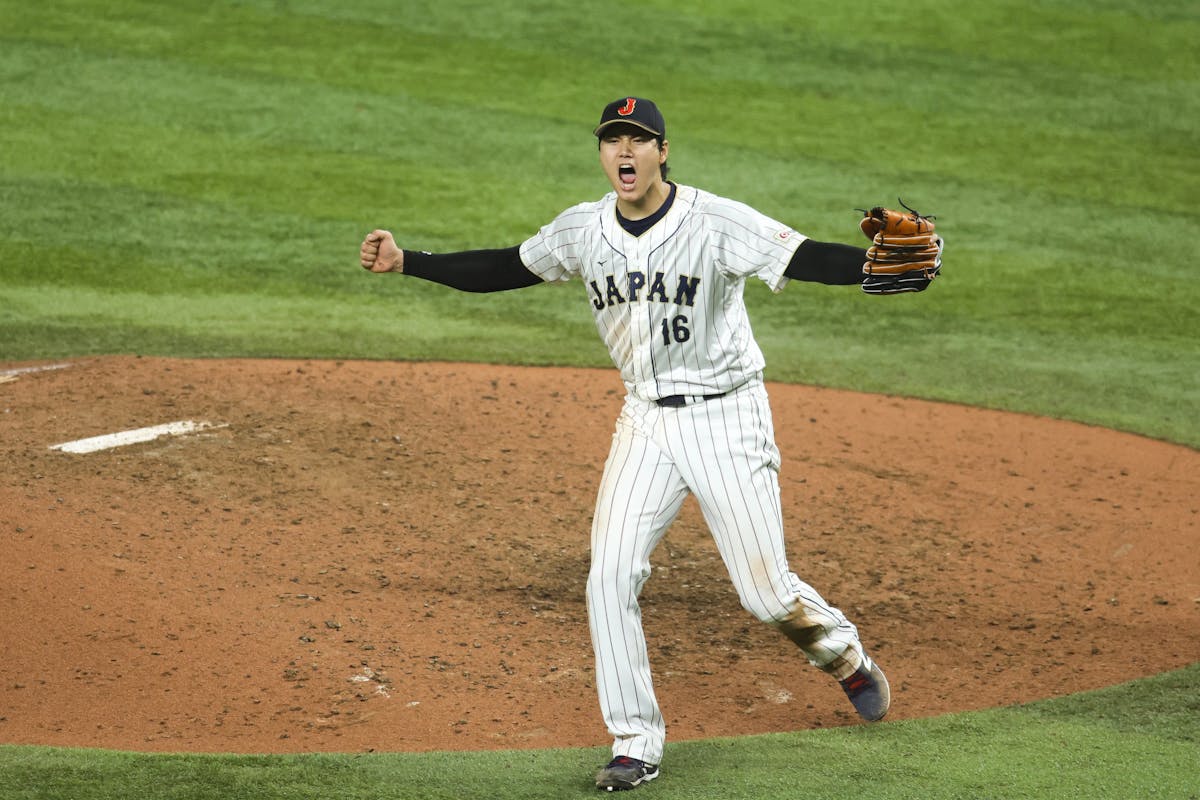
193, 179
1134, 741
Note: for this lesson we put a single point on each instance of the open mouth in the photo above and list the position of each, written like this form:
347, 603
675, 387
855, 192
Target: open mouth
627, 175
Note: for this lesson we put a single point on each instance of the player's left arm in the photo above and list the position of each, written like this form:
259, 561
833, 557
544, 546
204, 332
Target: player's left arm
830, 263
905, 255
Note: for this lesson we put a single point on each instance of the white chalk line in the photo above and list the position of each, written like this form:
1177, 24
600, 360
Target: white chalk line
23, 370
135, 436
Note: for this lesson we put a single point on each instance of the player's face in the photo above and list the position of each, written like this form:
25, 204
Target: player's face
631, 159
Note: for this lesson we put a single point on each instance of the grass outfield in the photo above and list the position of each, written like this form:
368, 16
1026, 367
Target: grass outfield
193, 179
1140, 740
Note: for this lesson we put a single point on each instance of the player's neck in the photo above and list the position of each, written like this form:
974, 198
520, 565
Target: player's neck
647, 204
636, 227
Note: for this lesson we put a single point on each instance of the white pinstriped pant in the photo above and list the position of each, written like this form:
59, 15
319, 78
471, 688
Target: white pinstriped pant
723, 451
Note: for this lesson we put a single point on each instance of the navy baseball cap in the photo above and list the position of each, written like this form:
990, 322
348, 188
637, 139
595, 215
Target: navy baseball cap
636, 111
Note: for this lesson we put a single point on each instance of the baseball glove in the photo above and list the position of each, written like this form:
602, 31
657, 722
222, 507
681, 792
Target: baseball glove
905, 253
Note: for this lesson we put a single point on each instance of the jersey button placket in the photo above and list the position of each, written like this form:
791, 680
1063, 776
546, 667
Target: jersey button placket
641, 329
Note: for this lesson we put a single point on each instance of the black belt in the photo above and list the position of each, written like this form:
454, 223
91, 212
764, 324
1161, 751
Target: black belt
680, 400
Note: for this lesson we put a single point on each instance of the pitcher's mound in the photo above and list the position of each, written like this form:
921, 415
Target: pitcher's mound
391, 556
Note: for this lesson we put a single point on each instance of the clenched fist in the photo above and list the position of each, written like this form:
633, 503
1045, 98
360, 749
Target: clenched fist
379, 253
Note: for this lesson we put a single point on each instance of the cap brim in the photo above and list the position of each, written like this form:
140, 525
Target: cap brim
604, 125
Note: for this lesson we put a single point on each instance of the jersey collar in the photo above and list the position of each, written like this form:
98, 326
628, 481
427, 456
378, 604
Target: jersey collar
636, 227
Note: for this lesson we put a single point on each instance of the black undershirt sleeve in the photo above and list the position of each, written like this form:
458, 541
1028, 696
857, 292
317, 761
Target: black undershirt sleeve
472, 270
500, 270
827, 262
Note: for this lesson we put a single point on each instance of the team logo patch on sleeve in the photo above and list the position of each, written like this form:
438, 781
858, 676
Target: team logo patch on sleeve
784, 235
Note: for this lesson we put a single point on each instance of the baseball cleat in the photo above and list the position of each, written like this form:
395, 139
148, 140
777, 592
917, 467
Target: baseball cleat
868, 690
624, 773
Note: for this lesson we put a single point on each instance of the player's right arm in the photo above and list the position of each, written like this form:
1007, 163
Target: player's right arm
469, 270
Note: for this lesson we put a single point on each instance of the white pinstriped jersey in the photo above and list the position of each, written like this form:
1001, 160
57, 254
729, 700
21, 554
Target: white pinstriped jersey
668, 304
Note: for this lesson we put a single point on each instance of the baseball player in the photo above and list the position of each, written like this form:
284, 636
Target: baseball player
663, 267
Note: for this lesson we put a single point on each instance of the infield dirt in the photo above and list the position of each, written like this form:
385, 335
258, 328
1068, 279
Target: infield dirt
391, 556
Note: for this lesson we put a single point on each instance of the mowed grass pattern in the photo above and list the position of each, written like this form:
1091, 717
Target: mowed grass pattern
194, 179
